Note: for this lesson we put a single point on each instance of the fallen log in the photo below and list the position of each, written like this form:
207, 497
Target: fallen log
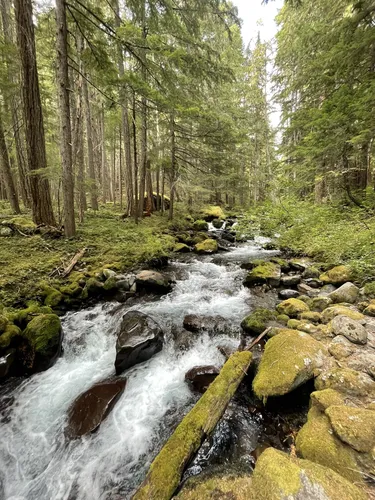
73, 262
166, 470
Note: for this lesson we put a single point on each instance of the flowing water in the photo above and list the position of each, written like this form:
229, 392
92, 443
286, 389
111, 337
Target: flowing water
37, 462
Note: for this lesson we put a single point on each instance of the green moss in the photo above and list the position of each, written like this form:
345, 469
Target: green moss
317, 442
337, 275
181, 248
43, 332
311, 272
230, 487
319, 304
72, 290
370, 310
200, 225
279, 476
313, 317
369, 290
264, 273
283, 318
257, 321
93, 287
52, 296
10, 332
207, 246
165, 472
326, 398
331, 312
354, 426
292, 307
289, 360
3, 323
110, 284
211, 212
346, 381
22, 316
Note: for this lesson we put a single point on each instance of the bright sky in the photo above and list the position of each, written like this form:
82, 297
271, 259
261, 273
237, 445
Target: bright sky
253, 12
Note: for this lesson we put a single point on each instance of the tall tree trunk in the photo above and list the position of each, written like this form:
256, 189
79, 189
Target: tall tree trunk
120, 168
66, 130
7, 172
34, 127
14, 103
113, 172
135, 153
143, 162
173, 167
131, 204
105, 180
90, 148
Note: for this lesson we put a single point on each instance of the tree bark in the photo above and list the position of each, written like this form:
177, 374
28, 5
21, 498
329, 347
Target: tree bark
34, 126
143, 162
166, 470
173, 167
66, 130
7, 172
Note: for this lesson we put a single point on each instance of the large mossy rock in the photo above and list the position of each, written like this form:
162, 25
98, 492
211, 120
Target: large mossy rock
331, 312
278, 476
153, 281
44, 333
290, 359
206, 247
347, 293
3, 323
90, 409
347, 381
200, 225
138, 339
326, 398
317, 442
337, 275
266, 273
292, 307
225, 487
257, 321
354, 426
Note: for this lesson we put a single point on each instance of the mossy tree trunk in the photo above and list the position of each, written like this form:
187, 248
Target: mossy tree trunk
166, 470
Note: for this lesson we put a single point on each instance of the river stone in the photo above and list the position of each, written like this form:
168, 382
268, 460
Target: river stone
348, 293
326, 398
354, 426
289, 281
289, 360
337, 275
90, 408
333, 311
200, 377
138, 339
198, 323
267, 273
320, 303
362, 362
153, 281
305, 289
207, 246
298, 265
228, 487
228, 236
288, 294
370, 310
45, 335
340, 347
314, 282
347, 381
352, 330
292, 307
279, 476
257, 321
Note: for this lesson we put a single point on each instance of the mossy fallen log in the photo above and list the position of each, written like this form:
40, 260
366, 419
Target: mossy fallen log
166, 470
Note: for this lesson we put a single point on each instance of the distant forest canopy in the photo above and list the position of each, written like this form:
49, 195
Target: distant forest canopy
110, 101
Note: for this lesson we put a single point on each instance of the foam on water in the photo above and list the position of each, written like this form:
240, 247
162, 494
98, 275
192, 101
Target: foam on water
37, 462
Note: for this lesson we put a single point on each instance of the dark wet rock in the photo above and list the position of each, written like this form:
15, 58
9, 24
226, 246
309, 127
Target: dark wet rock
199, 323
123, 297
230, 222
158, 262
6, 362
314, 282
218, 223
288, 294
223, 245
228, 236
270, 246
289, 281
307, 290
90, 408
200, 377
298, 265
138, 339
152, 281
311, 273
183, 339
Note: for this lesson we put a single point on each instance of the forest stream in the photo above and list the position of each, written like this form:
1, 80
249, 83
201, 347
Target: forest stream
38, 462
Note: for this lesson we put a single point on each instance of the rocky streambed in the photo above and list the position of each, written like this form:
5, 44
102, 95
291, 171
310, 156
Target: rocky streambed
90, 426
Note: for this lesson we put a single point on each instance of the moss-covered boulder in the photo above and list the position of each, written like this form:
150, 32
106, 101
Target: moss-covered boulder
317, 442
326, 398
257, 321
207, 246
354, 426
52, 296
21, 317
313, 316
337, 275
283, 319
225, 487
44, 333
348, 293
3, 323
93, 288
290, 359
319, 303
211, 212
347, 381
340, 348
72, 289
278, 476
200, 225
311, 273
292, 307
331, 312
266, 273
181, 248
11, 331
370, 310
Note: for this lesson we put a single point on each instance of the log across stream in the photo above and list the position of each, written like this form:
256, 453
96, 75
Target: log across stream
37, 460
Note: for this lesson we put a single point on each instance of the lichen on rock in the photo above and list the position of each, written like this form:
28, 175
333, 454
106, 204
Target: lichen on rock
347, 381
292, 307
333, 311
265, 273
257, 321
337, 275
207, 246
